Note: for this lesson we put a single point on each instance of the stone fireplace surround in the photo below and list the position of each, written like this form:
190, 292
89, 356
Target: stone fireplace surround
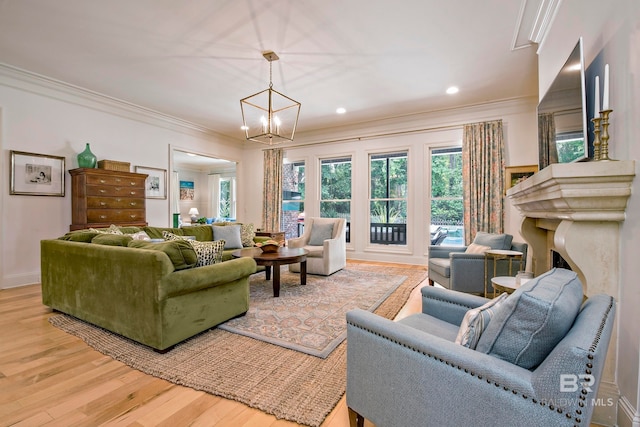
576, 209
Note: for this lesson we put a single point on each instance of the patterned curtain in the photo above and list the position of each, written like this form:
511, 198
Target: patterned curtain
272, 189
547, 139
483, 178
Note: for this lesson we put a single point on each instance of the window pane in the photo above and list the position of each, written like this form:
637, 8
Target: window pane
446, 197
293, 193
335, 180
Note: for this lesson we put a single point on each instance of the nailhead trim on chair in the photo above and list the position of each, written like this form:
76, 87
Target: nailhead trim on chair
449, 302
589, 365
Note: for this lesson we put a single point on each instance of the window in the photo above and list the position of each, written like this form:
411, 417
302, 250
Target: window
335, 190
446, 197
388, 198
570, 146
293, 193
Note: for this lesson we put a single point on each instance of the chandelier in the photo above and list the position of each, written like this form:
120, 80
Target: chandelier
268, 116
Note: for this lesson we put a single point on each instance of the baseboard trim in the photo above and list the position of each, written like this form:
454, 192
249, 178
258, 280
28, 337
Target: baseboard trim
628, 416
18, 280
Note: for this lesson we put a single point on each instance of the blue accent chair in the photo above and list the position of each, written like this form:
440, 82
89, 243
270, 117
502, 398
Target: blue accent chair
412, 373
453, 268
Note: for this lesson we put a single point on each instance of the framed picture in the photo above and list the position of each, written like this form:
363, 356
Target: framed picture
187, 190
36, 174
155, 186
516, 174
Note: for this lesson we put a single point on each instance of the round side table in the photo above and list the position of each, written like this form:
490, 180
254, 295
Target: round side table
498, 254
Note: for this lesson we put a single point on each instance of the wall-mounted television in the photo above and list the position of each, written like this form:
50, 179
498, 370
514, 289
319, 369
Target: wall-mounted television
562, 115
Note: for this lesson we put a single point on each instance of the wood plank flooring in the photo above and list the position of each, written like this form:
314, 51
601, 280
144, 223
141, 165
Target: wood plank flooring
50, 378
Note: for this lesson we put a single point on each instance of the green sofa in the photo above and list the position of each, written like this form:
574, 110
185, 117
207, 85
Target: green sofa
142, 294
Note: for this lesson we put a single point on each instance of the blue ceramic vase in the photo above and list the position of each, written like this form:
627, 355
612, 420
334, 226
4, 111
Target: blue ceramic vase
87, 159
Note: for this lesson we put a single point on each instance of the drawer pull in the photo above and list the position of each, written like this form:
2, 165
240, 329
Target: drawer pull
133, 216
103, 191
133, 193
103, 204
133, 204
103, 181
118, 189
103, 217
133, 183
118, 179
118, 199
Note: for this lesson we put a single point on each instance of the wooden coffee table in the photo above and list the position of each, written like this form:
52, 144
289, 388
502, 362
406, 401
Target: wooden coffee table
276, 259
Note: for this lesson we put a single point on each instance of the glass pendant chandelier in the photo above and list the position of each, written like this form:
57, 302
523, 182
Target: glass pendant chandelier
269, 117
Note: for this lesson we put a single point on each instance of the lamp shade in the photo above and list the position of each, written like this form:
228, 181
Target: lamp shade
193, 212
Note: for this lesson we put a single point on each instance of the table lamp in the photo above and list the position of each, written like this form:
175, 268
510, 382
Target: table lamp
194, 214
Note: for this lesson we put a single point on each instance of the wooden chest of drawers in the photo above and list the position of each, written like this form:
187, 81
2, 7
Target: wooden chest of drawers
102, 197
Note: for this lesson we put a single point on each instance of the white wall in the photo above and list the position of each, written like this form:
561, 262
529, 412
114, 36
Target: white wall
611, 34
47, 117
417, 135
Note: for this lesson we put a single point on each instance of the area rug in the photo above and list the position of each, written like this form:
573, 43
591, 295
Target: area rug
310, 318
286, 383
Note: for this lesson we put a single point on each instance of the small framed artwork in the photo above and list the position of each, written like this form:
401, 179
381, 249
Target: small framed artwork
35, 174
155, 187
187, 190
516, 174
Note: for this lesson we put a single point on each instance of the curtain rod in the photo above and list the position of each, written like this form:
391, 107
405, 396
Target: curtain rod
377, 135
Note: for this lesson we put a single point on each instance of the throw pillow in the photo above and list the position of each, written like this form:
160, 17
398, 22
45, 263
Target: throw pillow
533, 320
247, 234
113, 229
84, 236
140, 235
474, 248
208, 252
112, 239
180, 252
494, 241
230, 234
475, 322
320, 232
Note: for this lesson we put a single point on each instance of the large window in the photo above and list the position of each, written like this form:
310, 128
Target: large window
335, 190
293, 193
388, 198
446, 196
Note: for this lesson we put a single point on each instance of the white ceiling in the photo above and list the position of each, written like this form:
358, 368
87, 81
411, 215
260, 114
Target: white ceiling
195, 59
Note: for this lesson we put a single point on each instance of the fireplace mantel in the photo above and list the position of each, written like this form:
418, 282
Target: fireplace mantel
576, 209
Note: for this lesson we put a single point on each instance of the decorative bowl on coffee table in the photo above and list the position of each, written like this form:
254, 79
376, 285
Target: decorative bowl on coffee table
269, 247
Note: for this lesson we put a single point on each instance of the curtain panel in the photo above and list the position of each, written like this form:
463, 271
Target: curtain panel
483, 178
272, 189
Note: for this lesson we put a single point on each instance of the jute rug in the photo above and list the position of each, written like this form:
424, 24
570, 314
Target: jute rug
310, 318
286, 383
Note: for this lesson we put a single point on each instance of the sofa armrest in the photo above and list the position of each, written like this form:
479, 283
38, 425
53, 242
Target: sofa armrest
195, 279
440, 251
447, 305
297, 242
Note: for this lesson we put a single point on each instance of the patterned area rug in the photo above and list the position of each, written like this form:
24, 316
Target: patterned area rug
310, 318
286, 383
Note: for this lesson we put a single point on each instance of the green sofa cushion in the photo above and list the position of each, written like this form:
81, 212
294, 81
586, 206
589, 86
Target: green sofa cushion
130, 230
180, 252
84, 236
156, 232
112, 239
202, 233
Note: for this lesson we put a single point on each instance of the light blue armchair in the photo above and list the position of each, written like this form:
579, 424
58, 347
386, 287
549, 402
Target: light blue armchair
412, 373
455, 269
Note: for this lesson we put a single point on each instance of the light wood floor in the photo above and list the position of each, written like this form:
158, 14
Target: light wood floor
48, 377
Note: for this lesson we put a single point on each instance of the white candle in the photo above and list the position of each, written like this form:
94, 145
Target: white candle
605, 95
596, 106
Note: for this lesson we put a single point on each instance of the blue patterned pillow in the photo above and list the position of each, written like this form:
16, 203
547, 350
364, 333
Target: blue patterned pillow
533, 320
476, 320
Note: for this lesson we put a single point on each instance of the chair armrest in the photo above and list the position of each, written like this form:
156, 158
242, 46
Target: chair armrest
403, 364
444, 251
297, 242
447, 305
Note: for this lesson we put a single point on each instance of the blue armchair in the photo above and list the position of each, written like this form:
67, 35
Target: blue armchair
456, 269
412, 373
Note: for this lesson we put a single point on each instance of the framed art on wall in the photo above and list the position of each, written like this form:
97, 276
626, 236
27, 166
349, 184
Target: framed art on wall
35, 174
187, 190
155, 187
515, 174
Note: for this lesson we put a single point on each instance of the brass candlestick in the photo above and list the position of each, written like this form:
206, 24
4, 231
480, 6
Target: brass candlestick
604, 145
596, 139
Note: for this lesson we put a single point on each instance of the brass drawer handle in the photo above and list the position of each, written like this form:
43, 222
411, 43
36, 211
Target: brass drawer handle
132, 204
133, 183
133, 216
103, 191
103, 217
133, 193
103, 181
117, 179
103, 204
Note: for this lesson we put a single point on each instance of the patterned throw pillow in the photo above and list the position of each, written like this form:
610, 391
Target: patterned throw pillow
208, 252
247, 233
476, 320
113, 229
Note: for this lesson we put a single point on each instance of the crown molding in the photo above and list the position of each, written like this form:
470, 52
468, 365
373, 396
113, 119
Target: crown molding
46, 86
534, 21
